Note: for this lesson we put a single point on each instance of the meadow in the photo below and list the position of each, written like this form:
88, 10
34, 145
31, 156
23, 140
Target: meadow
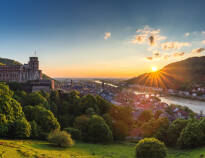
42, 149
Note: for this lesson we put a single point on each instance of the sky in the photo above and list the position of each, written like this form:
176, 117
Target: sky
95, 38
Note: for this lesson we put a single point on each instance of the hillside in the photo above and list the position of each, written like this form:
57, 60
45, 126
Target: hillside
42, 149
5, 61
175, 75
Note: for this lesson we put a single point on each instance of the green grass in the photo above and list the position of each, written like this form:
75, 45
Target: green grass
42, 149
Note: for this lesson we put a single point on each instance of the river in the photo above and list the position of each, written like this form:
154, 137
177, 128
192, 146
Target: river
195, 105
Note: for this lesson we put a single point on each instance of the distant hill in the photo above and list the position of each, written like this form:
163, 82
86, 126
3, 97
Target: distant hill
5, 61
177, 75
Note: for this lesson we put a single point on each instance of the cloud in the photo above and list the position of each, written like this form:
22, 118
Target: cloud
203, 32
197, 50
107, 35
149, 58
179, 54
187, 34
139, 39
147, 35
174, 45
203, 42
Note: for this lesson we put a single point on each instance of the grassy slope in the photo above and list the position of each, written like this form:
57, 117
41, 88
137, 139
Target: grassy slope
41, 149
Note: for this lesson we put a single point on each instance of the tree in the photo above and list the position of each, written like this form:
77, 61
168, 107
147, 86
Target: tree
145, 116
150, 148
21, 128
74, 132
89, 101
104, 106
98, 130
174, 131
36, 98
191, 136
44, 118
81, 123
120, 116
3, 126
120, 130
9, 106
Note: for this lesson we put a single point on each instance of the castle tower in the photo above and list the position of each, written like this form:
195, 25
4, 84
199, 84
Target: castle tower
34, 63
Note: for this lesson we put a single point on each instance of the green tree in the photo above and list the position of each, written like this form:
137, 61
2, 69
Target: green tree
191, 136
98, 130
150, 148
44, 118
21, 128
174, 130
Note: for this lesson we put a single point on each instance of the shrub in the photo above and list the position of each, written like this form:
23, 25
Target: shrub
150, 148
21, 129
98, 130
191, 136
74, 132
60, 138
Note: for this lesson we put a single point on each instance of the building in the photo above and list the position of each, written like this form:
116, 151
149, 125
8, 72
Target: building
21, 73
28, 74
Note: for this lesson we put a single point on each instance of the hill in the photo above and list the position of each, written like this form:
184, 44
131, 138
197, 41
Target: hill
5, 61
176, 75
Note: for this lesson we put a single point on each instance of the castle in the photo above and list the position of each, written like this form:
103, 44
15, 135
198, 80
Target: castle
21, 73
28, 74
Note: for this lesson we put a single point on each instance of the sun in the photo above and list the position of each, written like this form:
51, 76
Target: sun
154, 69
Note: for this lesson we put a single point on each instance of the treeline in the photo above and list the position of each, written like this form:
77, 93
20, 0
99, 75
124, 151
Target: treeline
35, 115
181, 133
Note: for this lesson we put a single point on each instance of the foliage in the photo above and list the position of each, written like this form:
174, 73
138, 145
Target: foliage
174, 131
98, 130
74, 132
60, 138
21, 128
120, 116
89, 101
44, 118
9, 106
150, 148
191, 136
3, 126
81, 123
36, 98
145, 116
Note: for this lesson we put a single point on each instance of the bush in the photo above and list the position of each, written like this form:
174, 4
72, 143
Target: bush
150, 148
60, 138
21, 129
98, 130
191, 136
75, 133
